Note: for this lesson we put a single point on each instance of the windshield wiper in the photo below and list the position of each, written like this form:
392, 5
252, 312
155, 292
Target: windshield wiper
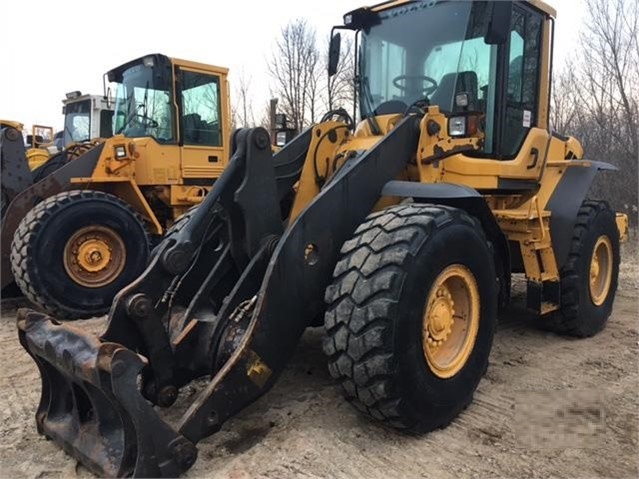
136, 109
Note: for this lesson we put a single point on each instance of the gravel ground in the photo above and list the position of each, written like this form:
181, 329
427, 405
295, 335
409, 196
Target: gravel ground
547, 407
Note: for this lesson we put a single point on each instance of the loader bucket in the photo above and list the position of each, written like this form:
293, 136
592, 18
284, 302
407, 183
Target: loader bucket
91, 406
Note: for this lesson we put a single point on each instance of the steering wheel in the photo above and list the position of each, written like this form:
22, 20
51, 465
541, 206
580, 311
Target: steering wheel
400, 80
147, 121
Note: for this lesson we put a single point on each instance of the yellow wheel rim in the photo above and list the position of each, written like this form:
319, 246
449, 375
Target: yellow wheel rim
600, 270
94, 256
450, 321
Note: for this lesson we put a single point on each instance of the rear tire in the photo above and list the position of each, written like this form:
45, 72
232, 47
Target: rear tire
73, 252
379, 328
594, 255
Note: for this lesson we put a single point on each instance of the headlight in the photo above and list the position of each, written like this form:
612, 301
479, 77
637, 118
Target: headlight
457, 126
120, 152
462, 100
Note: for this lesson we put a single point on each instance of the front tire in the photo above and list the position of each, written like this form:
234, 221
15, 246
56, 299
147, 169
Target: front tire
589, 277
73, 252
408, 271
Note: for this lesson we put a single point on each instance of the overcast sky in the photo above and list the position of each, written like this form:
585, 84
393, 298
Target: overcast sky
55, 47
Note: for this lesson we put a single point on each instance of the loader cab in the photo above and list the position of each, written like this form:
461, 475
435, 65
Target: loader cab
144, 99
446, 53
182, 106
86, 117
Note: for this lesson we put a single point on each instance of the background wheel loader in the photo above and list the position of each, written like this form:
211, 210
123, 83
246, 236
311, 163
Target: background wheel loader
86, 117
39, 144
73, 239
399, 233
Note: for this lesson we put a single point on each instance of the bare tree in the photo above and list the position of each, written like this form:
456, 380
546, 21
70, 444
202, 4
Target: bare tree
597, 98
265, 116
313, 93
242, 109
564, 110
611, 70
293, 69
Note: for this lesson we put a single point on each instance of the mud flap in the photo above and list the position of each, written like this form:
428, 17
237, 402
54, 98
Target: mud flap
91, 405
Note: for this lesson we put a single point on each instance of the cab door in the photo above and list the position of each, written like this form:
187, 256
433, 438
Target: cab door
203, 136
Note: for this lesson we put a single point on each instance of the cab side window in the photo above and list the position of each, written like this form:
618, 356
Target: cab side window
201, 109
523, 79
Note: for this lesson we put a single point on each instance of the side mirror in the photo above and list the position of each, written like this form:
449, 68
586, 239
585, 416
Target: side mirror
333, 54
107, 97
498, 28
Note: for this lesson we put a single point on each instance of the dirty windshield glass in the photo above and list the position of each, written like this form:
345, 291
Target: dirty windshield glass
143, 105
77, 122
424, 51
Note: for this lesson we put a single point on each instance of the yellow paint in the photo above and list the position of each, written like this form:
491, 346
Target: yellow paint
126, 189
13, 124
450, 321
326, 140
622, 226
164, 171
37, 157
257, 370
517, 190
600, 277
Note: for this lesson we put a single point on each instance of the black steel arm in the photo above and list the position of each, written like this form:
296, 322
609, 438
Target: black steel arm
293, 288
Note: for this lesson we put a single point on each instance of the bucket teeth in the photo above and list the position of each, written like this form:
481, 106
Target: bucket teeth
91, 405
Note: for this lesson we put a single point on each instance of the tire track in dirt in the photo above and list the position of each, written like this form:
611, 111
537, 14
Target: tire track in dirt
303, 428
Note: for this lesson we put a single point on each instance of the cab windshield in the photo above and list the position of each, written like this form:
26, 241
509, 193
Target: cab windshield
143, 105
77, 121
426, 52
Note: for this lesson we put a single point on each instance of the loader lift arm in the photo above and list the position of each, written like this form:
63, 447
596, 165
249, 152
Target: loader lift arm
227, 295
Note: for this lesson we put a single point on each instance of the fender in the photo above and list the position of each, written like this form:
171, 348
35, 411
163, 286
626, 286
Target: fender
471, 201
50, 185
126, 189
566, 200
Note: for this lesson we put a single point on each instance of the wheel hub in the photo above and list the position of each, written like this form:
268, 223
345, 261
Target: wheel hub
94, 256
441, 315
600, 276
450, 321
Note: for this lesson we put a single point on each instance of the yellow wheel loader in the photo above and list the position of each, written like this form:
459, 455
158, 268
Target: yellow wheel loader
400, 233
82, 231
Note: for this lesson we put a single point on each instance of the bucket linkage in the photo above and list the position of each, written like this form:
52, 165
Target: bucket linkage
227, 294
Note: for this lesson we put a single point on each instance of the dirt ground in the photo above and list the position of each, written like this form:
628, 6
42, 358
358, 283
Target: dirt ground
547, 407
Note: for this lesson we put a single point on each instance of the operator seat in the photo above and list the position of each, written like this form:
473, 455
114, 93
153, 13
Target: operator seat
390, 107
192, 124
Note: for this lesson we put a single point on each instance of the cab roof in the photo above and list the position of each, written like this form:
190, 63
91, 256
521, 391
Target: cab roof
538, 4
